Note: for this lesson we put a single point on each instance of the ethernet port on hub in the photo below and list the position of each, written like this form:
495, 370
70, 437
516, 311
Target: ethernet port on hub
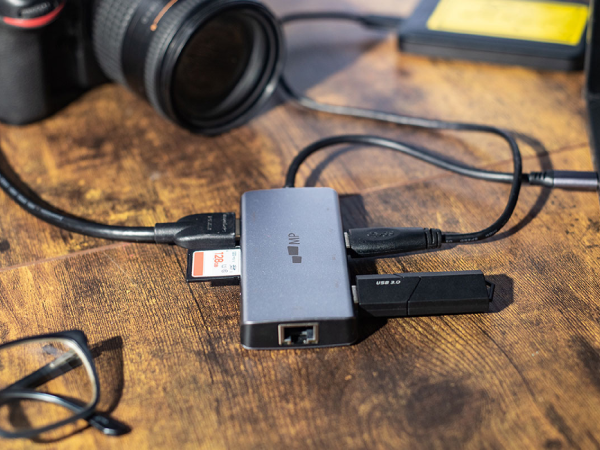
298, 334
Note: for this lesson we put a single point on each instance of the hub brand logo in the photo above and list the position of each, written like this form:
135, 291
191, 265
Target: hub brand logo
294, 248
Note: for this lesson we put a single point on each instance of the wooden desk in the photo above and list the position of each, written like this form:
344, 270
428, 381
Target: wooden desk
525, 376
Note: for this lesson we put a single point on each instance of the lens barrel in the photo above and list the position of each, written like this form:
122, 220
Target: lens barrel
208, 65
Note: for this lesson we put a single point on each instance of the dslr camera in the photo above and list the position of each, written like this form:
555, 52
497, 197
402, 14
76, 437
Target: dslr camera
207, 65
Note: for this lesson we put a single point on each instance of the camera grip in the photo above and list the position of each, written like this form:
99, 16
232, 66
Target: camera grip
24, 96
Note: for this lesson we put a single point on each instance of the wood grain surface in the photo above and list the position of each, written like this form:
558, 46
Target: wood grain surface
172, 367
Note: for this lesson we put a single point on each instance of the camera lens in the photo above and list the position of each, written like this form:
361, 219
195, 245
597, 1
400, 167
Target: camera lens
218, 66
208, 65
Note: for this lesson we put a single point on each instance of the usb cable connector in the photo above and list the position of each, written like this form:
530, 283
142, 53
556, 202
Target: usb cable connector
376, 242
580, 181
215, 231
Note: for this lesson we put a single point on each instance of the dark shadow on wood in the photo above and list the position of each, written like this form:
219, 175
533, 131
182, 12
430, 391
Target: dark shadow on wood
354, 215
225, 283
108, 357
504, 292
312, 63
368, 326
546, 164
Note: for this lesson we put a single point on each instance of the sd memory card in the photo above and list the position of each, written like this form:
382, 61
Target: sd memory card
534, 33
214, 265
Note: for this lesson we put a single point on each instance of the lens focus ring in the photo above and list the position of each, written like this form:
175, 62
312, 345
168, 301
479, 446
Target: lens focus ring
167, 39
167, 28
208, 65
111, 21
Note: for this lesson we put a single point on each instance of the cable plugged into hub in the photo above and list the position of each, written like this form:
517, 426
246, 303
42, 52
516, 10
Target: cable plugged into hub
217, 231
373, 242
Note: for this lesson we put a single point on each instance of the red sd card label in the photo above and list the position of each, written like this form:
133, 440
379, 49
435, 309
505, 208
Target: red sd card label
215, 264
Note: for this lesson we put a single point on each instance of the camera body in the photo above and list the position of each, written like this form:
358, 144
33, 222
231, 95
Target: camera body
47, 57
207, 65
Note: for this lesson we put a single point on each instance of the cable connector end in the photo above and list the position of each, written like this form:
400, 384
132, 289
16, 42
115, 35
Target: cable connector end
382, 22
581, 181
375, 242
217, 231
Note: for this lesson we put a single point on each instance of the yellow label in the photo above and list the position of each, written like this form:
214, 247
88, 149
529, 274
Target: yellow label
539, 21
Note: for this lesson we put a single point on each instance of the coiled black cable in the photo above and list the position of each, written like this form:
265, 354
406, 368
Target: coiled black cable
448, 237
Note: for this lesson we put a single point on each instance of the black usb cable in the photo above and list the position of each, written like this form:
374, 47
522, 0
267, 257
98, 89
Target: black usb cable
390, 241
375, 242
201, 231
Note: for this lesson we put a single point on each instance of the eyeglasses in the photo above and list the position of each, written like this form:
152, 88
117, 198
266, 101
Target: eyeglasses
47, 382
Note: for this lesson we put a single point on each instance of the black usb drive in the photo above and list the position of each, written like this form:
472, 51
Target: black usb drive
423, 294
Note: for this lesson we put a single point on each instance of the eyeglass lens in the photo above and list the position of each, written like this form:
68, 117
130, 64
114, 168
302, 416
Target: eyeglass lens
54, 366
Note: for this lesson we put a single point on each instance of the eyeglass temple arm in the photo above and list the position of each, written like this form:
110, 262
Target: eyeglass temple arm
101, 422
61, 365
